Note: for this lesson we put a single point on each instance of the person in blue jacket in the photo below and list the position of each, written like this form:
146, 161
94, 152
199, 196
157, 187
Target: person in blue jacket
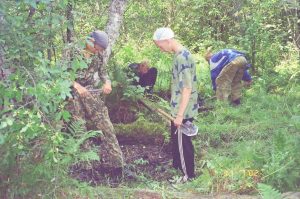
228, 68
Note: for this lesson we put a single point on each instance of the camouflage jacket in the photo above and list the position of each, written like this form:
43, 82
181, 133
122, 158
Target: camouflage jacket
86, 78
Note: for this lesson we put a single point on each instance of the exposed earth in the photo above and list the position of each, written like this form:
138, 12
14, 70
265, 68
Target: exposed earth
152, 162
147, 159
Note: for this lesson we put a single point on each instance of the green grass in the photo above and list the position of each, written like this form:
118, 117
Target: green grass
253, 143
239, 147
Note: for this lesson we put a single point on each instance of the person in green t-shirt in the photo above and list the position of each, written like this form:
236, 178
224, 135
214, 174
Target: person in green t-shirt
184, 106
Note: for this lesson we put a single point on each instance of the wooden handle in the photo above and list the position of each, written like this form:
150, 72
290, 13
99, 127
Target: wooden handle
165, 114
158, 110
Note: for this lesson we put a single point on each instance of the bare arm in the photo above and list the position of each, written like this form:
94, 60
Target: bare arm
186, 93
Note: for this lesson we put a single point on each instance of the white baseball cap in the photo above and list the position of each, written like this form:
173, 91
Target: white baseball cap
163, 34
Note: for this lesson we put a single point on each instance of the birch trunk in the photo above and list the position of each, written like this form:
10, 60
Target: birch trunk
115, 20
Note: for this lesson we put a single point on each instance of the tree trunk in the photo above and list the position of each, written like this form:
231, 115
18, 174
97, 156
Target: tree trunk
292, 14
2, 29
297, 25
69, 37
70, 18
253, 55
116, 13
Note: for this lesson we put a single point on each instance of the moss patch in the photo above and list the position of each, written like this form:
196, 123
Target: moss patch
142, 131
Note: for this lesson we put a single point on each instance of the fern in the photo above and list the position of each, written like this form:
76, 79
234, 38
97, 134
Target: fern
89, 156
72, 143
268, 192
77, 127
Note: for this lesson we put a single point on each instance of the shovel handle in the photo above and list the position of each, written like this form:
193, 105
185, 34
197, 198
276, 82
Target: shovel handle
158, 110
165, 114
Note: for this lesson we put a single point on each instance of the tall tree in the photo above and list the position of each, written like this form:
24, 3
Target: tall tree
70, 18
1, 53
2, 30
115, 20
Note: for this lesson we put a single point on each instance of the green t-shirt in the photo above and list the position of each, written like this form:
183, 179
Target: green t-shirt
184, 76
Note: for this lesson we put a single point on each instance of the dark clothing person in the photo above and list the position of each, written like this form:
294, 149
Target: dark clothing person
188, 150
147, 76
148, 79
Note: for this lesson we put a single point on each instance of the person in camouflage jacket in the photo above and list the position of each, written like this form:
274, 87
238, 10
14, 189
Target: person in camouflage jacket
89, 107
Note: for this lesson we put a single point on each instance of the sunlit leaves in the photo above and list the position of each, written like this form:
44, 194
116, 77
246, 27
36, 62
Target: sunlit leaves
79, 64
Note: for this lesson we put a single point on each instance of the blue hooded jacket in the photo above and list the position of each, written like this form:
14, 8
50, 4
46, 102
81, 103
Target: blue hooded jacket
220, 59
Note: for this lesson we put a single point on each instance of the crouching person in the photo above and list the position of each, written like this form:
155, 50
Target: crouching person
228, 67
147, 76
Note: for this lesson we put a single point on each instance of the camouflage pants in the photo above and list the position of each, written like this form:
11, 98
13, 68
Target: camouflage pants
93, 111
229, 80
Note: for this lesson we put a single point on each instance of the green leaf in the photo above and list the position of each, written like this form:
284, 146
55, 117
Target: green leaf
89, 156
79, 64
3, 125
20, 147
268, 192
45, 1
32, 3
24, 129
10, 121
2, 139
83, 64
296, 118
66, 115
55, 159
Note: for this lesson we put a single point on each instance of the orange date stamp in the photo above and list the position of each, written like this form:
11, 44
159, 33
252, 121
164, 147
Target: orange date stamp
244, 172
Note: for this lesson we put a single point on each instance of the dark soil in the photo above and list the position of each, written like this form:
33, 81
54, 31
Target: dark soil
146, 158
151, 162
124, 112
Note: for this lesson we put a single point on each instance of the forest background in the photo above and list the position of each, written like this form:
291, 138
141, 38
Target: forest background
261, 136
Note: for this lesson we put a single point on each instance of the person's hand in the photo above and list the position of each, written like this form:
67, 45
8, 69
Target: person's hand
247, 84
106, 88
178, 121
81, 90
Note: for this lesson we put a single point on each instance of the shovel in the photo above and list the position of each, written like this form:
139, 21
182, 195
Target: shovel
157, 110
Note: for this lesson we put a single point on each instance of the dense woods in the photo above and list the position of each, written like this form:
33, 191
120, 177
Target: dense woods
251, 149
